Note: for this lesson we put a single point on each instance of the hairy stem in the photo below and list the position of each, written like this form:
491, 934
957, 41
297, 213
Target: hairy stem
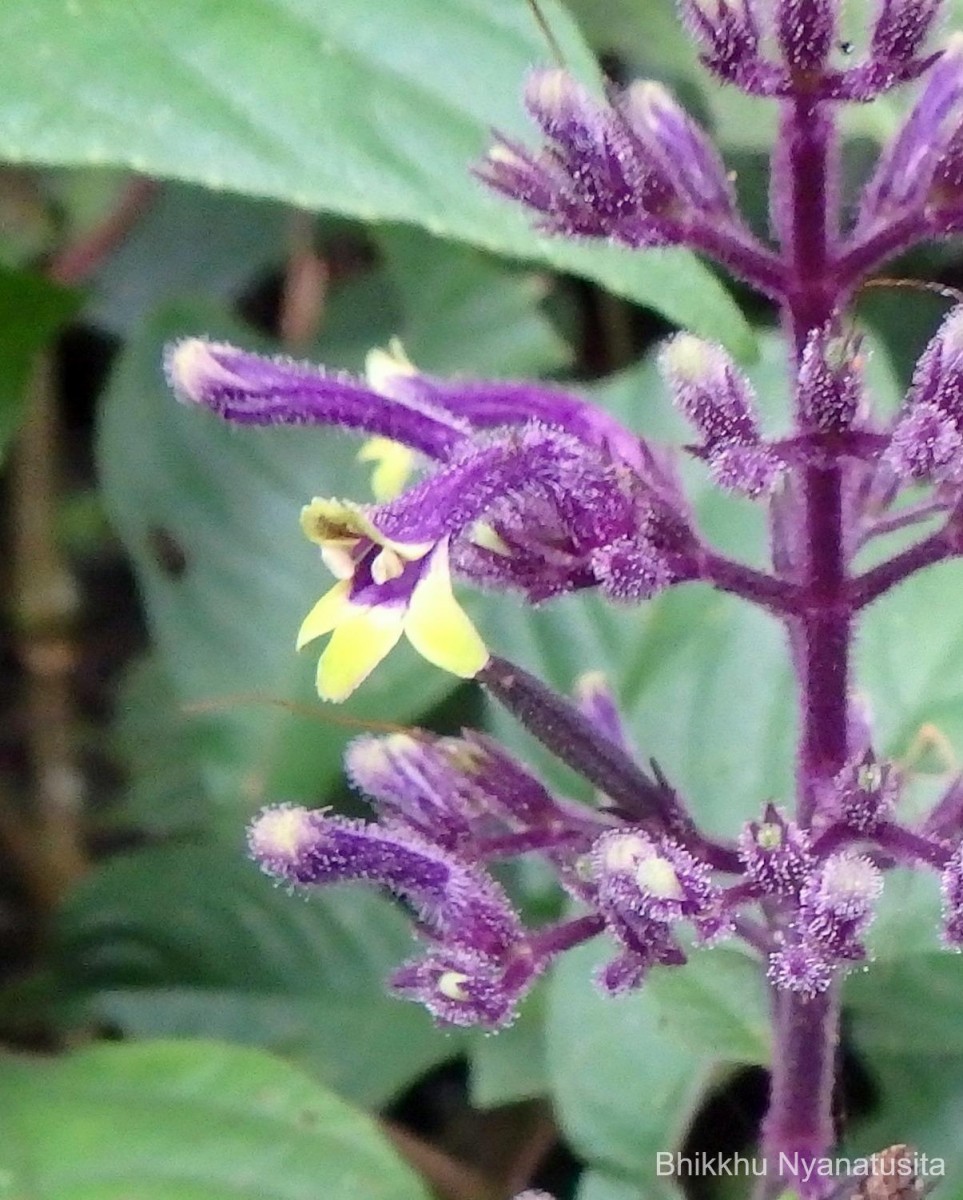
799, 1123
798, 1129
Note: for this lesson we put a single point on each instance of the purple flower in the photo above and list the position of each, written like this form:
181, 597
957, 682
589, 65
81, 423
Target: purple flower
776, 854
927, 438
635, 170
719, 401
453, 900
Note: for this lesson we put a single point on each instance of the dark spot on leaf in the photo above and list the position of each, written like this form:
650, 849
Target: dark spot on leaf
166, 551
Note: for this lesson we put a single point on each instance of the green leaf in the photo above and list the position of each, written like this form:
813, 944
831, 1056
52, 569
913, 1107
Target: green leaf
511, 1066
596, 1185
209, 516
190, 940
185, 1121
189, 242
911, 972
464, 313
716, 1005
32, 310
375, 114
622, 1090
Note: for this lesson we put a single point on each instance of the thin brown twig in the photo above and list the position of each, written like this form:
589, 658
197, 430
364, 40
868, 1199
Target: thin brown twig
450, 1179
75, 262
45, 606
47, 843
305, 290
541, 1139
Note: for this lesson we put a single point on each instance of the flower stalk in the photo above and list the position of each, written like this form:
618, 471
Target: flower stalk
531, 489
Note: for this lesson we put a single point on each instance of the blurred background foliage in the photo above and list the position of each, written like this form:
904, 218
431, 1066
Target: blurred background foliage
294, 175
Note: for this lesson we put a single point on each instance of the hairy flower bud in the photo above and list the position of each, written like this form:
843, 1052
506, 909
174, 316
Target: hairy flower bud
906, 172
836, 904
775, 853
684, 151
716, 397
862, 794
901, 27
927, 438
805, 30
830, 381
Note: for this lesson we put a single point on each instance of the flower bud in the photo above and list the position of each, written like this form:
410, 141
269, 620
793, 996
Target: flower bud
718, 399
927, 438
830, 383
684, 151
805, 30
901, 28
775, 853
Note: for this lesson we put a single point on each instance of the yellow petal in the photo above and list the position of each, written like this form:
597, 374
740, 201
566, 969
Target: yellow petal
381, 366
339, 525
394, 464
439, 628
358, 644
325, 615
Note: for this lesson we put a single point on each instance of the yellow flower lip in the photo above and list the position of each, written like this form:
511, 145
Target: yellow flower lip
363, 633
339, 525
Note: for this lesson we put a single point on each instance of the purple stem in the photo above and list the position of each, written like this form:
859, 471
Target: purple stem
742, 255
777, 595
806, 1031
869, 586
798, 1128
903, 518
863, 257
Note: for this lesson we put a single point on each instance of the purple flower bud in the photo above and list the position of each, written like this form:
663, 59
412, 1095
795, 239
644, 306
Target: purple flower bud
836, 905
457, 790
595, 179
494, 403
862, 794
717, 398
830, 382
459, 987
776, 854
457, 902
639, 566
597, 702
656, 880
928, 434
906, 169
805, 30
901, 28
951, 889
685, 153
413, 783
800, 968
925, 444
709, 390
729, 35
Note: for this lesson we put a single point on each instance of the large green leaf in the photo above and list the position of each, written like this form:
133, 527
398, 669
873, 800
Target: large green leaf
511, 1066
329, 106
185, 1121
194, 940
622, 1090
